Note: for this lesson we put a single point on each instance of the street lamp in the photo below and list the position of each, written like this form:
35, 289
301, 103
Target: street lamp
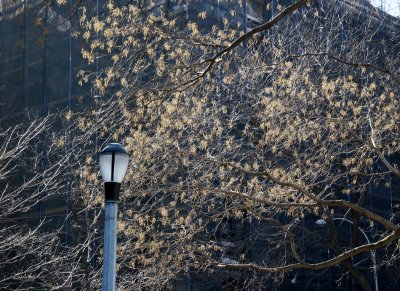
114, 161
373, 253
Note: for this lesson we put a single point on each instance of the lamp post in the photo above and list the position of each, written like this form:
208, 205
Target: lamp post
114, 161
373, 253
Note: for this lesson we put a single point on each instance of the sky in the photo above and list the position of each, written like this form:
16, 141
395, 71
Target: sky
390, 6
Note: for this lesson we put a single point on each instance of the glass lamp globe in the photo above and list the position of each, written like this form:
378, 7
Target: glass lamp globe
114, 160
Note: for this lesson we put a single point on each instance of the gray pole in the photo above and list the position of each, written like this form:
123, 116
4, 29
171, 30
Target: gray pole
373, 253
110, 246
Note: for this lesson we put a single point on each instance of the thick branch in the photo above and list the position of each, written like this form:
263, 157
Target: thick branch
268, 25
346, 62
319, 202
329, 263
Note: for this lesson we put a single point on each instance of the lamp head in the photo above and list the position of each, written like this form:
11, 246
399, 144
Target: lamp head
114, 160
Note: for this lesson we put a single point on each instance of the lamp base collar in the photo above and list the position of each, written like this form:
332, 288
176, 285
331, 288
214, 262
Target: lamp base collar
112, 191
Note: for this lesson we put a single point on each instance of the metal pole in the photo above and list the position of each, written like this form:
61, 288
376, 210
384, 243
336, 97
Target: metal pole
373, 253
110, 246
112, 173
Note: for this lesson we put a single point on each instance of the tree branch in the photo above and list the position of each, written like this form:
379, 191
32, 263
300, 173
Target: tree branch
329, 263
